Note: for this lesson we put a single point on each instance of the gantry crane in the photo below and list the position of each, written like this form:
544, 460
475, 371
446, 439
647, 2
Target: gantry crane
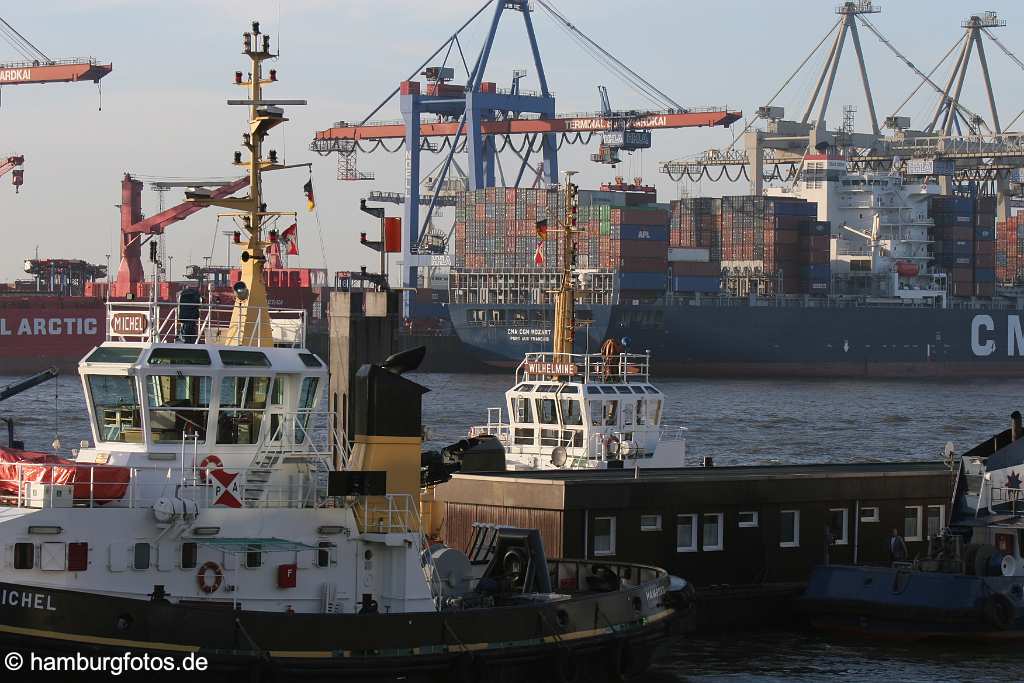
479, 118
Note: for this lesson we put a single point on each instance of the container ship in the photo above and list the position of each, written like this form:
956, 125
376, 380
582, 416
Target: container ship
842, 274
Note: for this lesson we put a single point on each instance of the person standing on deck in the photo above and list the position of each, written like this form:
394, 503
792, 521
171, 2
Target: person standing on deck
897, 547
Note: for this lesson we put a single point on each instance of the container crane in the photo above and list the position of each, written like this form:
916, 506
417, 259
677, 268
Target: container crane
12, 165
37, 67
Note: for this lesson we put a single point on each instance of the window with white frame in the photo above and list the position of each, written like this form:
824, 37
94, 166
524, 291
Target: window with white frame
789, 529
837, 524
713, 535
686, 533
747, 519
869, 514
913, 523
604, 536
650, 522
936, 520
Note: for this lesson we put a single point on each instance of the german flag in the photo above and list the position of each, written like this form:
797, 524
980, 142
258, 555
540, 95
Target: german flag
308, 189
542, 229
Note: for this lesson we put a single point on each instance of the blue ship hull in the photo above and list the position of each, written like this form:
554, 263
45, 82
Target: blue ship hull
765, 340
901, 603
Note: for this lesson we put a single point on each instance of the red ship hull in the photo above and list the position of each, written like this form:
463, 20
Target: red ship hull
40, 330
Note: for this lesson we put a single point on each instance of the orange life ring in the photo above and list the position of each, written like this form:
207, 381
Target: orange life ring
207, 462
218, 577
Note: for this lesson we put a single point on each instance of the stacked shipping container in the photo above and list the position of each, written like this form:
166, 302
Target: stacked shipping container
964, 246
780, 236
1010, 251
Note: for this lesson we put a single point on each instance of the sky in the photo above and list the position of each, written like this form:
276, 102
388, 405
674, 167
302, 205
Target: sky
164, 113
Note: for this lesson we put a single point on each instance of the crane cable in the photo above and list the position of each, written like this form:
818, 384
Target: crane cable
785, 84
1015, 61
610, 58
22, 44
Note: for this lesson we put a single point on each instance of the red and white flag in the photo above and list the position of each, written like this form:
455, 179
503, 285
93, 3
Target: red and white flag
290, 239
538, 256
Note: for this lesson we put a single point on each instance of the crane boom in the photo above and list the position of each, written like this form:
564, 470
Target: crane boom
130, 273
64, 71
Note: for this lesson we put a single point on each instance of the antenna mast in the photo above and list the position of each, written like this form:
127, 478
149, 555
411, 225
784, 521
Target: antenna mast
565, 301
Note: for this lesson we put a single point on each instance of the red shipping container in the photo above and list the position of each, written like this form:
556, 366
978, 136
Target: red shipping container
393, 235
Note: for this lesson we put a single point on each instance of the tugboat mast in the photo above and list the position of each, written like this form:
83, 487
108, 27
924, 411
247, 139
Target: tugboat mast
565, 299
250, 317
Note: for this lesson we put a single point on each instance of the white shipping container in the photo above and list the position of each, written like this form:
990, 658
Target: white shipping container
688, 254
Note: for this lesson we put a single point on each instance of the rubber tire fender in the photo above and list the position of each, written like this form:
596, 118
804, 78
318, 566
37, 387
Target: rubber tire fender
999, 611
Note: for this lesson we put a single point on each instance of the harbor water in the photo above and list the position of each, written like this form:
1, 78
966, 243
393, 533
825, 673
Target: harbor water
734, 422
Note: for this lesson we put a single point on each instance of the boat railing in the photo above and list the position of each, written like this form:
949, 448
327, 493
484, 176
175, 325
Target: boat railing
1003, 495
496, 426
170, 322
387, 514
573, 576
590, 368
84, 485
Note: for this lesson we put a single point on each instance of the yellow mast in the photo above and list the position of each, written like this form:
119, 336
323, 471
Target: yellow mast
565, 299
250, 317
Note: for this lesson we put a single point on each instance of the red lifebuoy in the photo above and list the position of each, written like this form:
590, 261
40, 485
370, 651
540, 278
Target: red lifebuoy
208, 462
218, 577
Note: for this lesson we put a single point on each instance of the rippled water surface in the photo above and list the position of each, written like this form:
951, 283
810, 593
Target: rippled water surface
736, 422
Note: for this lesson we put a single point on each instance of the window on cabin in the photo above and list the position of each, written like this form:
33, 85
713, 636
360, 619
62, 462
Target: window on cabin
521, 410
611, 413
572, 411
189, 555
244, 359
254, 557
178, 407
178, 356
641, 413
141, 556
115, 404
78, 557
243, 401
307, 394
24, 555
546, 413
596, 413
653, 412
114, 354
523, 436
628, 411
326, 554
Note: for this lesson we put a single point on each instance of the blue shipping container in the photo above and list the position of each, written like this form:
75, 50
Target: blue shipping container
817, 272
704, 285
642, 281
643, 232
984, 275
963, 206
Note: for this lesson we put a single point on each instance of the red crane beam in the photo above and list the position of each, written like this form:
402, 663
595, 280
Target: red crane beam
73, 70
130, 273
595, 123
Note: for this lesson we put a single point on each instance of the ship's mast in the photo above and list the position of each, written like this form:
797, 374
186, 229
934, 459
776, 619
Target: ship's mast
250, 317
565, 300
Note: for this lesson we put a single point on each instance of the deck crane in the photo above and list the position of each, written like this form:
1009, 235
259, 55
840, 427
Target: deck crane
480, 119
12, 164
136, 230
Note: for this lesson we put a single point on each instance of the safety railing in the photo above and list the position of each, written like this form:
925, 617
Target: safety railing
586, 367
74, 485
166, 322
581, 576
1003, 496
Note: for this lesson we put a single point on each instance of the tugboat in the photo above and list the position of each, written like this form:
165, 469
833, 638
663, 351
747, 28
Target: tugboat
583, 411
219, 516
970, 583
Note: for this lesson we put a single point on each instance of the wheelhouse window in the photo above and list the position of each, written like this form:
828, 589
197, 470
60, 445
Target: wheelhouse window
178, 407
177, 356
114, 354
572, 411
245, 359
546, 413
115, 403
243, 401
521, 411
611, 413
307, 394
